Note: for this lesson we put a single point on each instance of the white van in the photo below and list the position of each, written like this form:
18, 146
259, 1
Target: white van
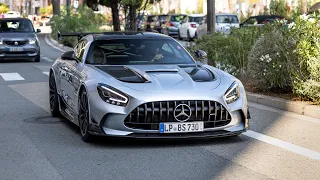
224, 23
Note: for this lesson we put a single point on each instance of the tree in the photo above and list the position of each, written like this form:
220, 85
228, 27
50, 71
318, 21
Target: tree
113, 4
304, 6
56, 7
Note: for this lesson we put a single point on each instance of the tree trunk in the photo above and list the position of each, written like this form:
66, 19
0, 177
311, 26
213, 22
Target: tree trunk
115, 17
304, 6
230, 5
56, 7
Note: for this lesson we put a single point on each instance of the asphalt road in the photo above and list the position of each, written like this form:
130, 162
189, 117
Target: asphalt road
280, 145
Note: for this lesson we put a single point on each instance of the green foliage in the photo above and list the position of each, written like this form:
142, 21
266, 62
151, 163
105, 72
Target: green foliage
278, 7
200, 7
83, 20
3, 8
274, 57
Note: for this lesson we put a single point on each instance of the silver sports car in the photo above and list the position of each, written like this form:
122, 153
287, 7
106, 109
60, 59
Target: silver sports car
144, 85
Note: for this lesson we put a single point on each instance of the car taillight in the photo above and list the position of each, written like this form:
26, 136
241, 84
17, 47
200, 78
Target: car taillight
171, 24
193, 25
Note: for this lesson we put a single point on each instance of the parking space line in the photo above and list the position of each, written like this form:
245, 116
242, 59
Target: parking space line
284, 145
46, 73
11, 76
47, 59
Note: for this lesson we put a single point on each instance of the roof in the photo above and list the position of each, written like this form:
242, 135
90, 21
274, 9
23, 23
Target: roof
14, 19
224, 14
196, 15
266, 16
129, 35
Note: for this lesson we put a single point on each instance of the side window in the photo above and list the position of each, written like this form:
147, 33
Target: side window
79, 49
167, 48
251, 21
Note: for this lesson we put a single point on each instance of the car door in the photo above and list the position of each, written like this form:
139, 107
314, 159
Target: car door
70, 82
252, 21
184, 27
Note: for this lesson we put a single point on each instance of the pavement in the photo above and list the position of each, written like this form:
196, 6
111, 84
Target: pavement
279, 145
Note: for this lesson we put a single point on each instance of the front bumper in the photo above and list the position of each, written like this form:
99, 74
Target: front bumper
112, 123
28, 52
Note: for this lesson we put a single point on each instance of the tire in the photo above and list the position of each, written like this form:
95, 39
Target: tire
37, 59
188, 36
179, 36
84, 115
53, 97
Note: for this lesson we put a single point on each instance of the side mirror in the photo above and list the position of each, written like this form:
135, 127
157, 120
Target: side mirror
38, 30
180, 22
201, 56
241, 24
69, 55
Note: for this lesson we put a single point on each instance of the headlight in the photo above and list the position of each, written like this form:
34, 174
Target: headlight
32, 40
1, 41
112, 95
233, 93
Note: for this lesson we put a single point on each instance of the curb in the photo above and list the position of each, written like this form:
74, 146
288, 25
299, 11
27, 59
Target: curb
279, 103
287, 105
55, 44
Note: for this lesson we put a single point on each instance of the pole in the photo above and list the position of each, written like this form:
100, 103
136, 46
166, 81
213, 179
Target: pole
211, 22
68, 7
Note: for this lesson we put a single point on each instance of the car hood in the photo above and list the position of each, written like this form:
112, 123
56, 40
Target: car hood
16, 36
154, 78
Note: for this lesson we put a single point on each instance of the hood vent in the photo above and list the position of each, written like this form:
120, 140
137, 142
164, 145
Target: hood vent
199, 74
123, 74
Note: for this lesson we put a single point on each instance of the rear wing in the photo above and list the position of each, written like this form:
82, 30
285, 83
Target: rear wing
78, 35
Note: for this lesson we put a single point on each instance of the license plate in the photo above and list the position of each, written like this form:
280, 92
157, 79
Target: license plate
180, 127
15, 49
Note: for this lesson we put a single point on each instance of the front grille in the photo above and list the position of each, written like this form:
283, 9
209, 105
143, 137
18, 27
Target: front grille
12, 43
148, 116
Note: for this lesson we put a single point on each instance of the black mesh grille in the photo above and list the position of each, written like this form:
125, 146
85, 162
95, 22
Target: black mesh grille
12, 43
148, 116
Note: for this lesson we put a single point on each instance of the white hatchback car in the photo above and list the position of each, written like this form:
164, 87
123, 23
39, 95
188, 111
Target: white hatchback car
224, 23
188, 26
12, 14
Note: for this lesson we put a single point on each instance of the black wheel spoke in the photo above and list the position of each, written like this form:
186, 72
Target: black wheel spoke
83, 114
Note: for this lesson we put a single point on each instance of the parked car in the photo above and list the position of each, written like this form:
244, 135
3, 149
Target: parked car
224, 23
151, 20
171, 27
188, 28
260, 20
12, 14
161, 20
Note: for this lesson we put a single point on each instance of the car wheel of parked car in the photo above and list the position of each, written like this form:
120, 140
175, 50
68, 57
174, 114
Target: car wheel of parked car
179, 36
188, 36
84, 116
53, 97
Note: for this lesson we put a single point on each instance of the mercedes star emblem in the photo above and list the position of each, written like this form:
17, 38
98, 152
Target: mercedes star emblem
16, 43
182, 112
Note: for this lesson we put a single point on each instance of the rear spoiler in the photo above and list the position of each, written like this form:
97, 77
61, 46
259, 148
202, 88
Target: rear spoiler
78, 35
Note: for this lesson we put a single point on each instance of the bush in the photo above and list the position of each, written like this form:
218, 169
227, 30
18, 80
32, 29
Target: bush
272, 57
83, 20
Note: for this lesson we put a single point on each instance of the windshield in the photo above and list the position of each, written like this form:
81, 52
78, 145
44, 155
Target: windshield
195, 19
177, 18
16, 26
137, 51
227, 19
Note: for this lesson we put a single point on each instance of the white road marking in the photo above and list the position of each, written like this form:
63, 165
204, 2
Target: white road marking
284, 145
46, 73
47, 59
11, 76
53, 46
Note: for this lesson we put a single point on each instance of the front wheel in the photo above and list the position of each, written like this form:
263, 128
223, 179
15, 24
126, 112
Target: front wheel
53, 97
84, 115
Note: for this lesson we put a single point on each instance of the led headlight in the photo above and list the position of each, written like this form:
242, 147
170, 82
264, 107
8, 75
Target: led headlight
233, 93
32, 40
112, 95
